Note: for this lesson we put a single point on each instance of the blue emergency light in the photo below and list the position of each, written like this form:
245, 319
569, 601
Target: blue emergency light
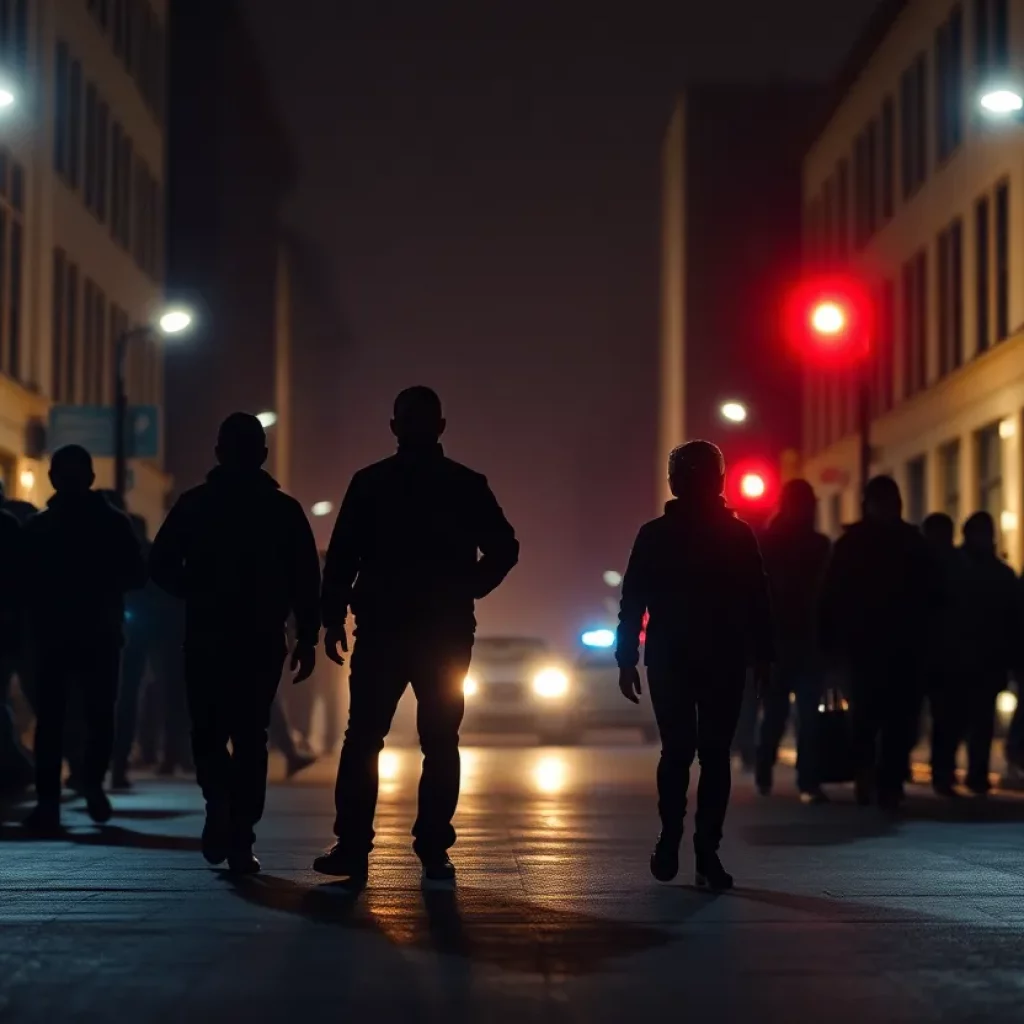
598, 638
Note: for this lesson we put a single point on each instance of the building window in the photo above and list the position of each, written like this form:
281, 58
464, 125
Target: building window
843, 209
921, 362
871, 195
102, 159
75, 124
860, 189
90, 146
886, 348
991, 35
916, 489
12, 206
949, 62
88, 341
982, 284
62, 105
914, 126
915, 324
65, 329
888, 159
990, 471
828, 219
949, 464
1002, 267
950, 298
14, 36
102, 368
118, 19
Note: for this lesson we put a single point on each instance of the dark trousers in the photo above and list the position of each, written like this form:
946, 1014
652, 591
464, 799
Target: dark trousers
133, 668
382, 667
231, 686
15, 764
1015, 737
697, 711
164, 719
806, 685
93, 668
945, 698
965, 710
882, 706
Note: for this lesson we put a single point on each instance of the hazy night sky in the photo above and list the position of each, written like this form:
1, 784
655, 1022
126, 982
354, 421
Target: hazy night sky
486, 176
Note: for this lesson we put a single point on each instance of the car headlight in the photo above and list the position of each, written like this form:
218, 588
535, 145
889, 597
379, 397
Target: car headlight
470, 687
1006, 703
551, 684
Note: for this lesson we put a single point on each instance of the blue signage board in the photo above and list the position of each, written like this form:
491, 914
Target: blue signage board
92, 427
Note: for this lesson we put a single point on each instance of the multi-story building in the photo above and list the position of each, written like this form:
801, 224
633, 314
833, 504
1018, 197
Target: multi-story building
81, 222
913, 189
731, 215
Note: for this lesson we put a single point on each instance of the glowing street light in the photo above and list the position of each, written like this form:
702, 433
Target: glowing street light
612, 578
734, 412
267, 419
7, 98
1002, 102
174, 321
322, 508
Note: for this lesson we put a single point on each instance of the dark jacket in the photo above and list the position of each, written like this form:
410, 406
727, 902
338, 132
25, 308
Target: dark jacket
698, 573
81, 557
419, 539
12, 582
990, 628
882, 591
242, 556
796, 560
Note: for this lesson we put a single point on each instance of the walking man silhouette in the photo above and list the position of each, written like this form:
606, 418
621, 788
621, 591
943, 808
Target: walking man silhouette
242, 556
419, 538
81, 557
697, 572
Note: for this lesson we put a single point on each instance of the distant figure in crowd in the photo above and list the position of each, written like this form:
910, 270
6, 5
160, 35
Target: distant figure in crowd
945, 654
795, 558
698, 572
418, 540
881, 592
82, 557
15, 765
241, 554
992, 631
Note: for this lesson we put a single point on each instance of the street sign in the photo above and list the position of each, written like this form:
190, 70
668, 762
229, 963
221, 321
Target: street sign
92, 427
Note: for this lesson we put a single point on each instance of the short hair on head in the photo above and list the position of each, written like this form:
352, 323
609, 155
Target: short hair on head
241, 440
71, 468
418, 402
882, 489
696, 467
939, 527
981, 525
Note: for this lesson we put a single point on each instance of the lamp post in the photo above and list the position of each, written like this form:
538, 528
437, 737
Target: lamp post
172, 321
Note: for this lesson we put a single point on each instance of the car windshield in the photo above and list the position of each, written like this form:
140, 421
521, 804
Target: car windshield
510, 648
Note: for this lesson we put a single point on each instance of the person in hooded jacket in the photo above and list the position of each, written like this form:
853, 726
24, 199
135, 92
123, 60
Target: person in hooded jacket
881, 593
242, 556
697, 572
81, 558
795, 558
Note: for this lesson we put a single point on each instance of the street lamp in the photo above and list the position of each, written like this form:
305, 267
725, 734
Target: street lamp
267, 419
170, 322
1001, 102
734, 412
322, 508
7, 98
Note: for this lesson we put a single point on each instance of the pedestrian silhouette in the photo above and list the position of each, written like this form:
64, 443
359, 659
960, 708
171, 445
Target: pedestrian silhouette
418, 540
795, 558
881, 592
241, 555
697, 572
82, 557
992, 633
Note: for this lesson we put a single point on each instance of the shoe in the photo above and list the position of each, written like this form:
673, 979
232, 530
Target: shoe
44, 821
299, 763
97, 803
665, 859
339, 863
216, 840
711, 875
764, 789
814, 797
120, 783
242, 861
439, 869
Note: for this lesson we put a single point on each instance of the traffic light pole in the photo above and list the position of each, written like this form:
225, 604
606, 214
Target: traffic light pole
864, 426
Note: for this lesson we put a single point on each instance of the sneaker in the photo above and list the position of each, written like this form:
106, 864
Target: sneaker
299, 763
242, 861
814, 797
44, 821
215, 836
339, 863
97, 803
439, 869
711, 875
665, 859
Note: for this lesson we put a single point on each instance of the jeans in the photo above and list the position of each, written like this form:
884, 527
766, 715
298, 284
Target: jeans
230, 690
806, 684
94, 666
382, 667
697, 709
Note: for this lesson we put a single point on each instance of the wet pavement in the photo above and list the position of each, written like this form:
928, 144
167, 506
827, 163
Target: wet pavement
843, 914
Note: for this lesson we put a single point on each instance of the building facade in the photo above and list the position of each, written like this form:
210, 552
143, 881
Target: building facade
919, 194
81, 223
731, 223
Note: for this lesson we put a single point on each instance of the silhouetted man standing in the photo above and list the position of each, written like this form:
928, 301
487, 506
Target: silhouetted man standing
406, 557
81, 559
697, 571
241, 554
881, 591
795, 558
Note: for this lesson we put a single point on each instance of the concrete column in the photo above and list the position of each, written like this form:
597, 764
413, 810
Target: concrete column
1011, 431
968, 477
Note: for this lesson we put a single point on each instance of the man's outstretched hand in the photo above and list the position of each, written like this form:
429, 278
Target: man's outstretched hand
303, 662
629, 684
335, 643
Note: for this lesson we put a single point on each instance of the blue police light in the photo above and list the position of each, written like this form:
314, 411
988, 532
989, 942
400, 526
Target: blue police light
598, 638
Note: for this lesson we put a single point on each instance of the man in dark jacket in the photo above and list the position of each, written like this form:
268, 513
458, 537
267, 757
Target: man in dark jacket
242, 556
795, 559
697, 571
419, 539
880, 595
992, 633
81, 558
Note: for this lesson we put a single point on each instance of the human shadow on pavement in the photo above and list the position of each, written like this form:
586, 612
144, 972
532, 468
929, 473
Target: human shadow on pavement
103, 835
475, 925
823, 826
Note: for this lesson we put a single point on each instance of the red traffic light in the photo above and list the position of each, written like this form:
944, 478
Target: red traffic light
830, 321
751, 485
